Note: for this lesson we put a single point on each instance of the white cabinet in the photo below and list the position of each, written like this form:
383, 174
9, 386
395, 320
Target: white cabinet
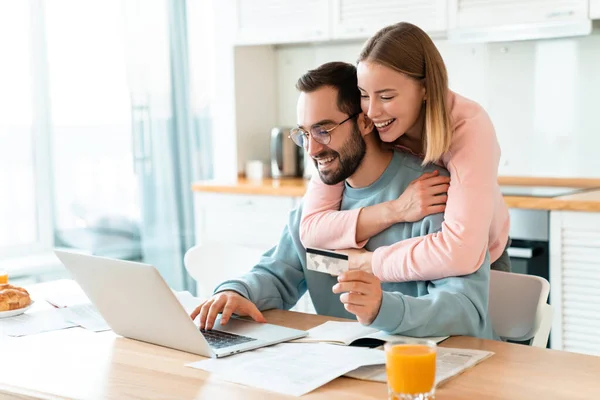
595, 9
281, 21
359, 19
248, 222
575, 281
504, 20
291, 21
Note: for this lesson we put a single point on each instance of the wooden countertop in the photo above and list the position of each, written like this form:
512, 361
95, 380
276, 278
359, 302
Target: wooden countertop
76, 364
587, 200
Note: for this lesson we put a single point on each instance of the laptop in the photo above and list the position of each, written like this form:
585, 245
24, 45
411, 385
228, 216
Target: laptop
138, 304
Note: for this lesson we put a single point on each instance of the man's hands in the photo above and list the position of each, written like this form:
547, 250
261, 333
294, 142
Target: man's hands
227, 302
361, 294
424, 196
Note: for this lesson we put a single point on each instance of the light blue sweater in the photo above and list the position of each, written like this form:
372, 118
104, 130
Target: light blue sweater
450, 306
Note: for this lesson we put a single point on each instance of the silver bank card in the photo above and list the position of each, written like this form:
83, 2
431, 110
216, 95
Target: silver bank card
326, 261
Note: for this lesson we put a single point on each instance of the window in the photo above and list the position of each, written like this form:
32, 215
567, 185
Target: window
26, 221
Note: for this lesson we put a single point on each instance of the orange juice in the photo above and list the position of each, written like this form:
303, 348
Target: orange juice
3, 277
410, 368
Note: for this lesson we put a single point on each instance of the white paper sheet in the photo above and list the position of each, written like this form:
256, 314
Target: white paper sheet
347, 332
34, 322
337, 332
75, 296
449, 363
86, 316
291, 368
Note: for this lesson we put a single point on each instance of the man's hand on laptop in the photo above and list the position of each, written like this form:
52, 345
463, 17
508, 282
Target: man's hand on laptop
227, 303
361, 294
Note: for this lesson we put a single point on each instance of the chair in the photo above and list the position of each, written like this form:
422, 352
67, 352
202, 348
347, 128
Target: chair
212, 263
518, 307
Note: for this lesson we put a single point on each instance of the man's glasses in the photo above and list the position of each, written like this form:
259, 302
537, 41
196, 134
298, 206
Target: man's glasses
321, 134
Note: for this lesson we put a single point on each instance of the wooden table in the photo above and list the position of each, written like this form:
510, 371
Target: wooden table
75, 363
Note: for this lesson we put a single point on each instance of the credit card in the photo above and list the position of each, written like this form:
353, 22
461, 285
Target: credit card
326, 261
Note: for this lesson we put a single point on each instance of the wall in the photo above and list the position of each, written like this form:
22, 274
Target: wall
541, 96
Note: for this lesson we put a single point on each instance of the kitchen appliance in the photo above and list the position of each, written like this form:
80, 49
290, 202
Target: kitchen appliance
529, 248
287, 159
529, 232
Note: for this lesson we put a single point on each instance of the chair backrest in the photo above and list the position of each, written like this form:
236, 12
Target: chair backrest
518, 307
212, 263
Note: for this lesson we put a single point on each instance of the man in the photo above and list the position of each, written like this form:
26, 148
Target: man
341, 143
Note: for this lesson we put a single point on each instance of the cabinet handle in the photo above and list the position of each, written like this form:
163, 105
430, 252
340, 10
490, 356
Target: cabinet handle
558, 14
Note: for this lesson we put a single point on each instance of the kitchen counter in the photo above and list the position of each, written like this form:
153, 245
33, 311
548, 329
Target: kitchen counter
587, 200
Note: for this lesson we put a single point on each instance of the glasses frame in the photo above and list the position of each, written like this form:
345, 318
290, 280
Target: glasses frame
324, 135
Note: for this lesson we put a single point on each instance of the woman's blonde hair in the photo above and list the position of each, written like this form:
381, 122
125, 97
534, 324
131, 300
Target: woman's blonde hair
408, 49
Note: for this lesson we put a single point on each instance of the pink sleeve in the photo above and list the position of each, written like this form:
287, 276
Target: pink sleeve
322, 224
460, 247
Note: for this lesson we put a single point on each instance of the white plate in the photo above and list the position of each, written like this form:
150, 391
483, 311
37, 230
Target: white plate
12, 313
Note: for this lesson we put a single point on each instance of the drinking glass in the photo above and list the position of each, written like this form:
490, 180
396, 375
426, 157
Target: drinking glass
410, 368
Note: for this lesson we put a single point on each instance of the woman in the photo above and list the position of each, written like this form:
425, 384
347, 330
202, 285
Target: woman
404, 91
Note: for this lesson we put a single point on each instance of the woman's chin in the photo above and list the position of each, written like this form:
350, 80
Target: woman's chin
390, 135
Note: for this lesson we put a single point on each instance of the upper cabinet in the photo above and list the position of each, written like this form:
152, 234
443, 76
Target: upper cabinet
595, 9
281, 21
296, 21
359, 19
505, 20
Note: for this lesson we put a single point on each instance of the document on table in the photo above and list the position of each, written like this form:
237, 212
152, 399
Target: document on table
353, 333
86, 316
449, 363
74, 295
291, 368
34, 322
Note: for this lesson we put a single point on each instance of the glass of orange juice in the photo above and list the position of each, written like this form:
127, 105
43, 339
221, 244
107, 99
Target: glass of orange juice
410, 368
3, 276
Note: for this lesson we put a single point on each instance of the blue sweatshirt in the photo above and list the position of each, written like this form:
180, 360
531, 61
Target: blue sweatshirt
450, 306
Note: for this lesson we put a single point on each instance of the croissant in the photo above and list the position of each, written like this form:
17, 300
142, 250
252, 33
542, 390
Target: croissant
13, 297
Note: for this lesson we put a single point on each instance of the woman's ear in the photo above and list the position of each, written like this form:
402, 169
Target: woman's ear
365, 124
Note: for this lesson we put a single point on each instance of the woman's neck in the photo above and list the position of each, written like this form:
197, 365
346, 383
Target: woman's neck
413, 138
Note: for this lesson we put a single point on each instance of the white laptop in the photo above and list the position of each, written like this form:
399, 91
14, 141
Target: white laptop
137, 303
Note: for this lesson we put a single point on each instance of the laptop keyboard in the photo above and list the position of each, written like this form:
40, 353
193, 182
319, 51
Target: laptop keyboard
220, 339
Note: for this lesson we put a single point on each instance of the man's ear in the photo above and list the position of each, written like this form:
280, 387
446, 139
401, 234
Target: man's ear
365, 124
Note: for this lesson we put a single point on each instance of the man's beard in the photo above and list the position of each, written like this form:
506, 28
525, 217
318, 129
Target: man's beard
349, 158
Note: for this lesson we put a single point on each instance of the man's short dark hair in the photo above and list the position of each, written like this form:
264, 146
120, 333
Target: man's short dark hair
338, 75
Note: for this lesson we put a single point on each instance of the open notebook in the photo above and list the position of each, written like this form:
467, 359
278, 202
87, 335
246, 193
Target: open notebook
353, 334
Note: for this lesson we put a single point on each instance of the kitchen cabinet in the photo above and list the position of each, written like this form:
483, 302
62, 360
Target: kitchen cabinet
261, 22
595, 9
575, 281
359, 19
243, 221
281, 21
505, 20
290, 21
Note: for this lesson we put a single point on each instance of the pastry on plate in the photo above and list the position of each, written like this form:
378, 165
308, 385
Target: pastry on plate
13, 297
